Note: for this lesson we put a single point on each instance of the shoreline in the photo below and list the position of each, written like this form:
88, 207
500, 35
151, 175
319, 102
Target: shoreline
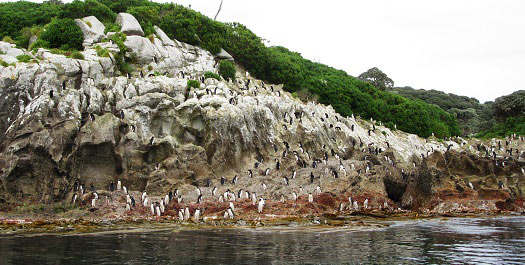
37, 225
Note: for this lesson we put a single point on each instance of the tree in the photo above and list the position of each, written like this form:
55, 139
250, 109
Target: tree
377, 78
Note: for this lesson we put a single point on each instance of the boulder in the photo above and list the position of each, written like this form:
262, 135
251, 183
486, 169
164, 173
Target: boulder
90, 35
96, 25
129, 24
224, 55
141, 48
166, 41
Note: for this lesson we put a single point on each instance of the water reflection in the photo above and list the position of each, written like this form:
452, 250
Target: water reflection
464, 241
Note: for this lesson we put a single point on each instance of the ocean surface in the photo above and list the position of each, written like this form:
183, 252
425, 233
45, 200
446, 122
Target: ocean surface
499, 240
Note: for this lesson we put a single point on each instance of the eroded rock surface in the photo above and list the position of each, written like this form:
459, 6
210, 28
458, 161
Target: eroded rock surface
68, 121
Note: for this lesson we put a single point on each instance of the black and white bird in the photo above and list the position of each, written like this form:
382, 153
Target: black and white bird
267, 171
310, 198
260, 206
286, 181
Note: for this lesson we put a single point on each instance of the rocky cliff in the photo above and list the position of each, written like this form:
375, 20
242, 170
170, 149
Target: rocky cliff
68, 121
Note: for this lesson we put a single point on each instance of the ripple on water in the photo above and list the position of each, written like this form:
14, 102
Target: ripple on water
453, 241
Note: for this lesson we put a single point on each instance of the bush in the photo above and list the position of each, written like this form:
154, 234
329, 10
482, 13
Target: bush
212, 75
64, 34
227, 70
193, 83
102, 52
111, 27
77, 55
38, 44
8, 39
24, 58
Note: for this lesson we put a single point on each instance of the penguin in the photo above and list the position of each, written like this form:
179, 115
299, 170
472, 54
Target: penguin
285, 180
125, 189
119, 185
151, 141
250, 173
141, 74
63, 85
365, 204
470, 185
294, 195
231, 213
132, 202
181, 215
263, 186
294, 173
341, 207
91, 117
282, 198
133, 128
256, 165
128, 207
234, 180
310, 198
277, 164
196, 215
51, 93
180, 199
82, 189
122, 114
232, 206
223, 180
157, 210
318, 190
261, 205
311, 177
267, 171
74, 199
254, 198
221, 198
144, 195
186, 213
213, 191
167, 199
112, 186
128, 75
93, 203
356, 206
92, 187
199, 199
145, 202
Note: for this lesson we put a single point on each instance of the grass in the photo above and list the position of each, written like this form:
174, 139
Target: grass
77, 55
24, 58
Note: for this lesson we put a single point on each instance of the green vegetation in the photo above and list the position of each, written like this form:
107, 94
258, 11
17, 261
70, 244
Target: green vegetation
472, 116
308, 80
111, 27
77, 55
24, 58
211, 75
8, 39
511, 125
102, 52
193, 83
123, 66
64, 34
3, 63
227, 70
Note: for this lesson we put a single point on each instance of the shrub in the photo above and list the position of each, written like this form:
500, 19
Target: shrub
102, 52
126, 68
8, 39
111, 27
64, 34
151, 38
88, 23
193, 83
24, 58
77, 55
227, 70
38, 44
212, 75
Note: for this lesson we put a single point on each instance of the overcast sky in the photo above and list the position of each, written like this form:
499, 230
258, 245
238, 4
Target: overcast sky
469, 47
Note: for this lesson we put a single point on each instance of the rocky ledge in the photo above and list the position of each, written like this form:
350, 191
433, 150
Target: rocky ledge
73, 130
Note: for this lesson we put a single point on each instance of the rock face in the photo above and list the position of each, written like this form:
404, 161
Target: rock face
68, 121
129, 24
223, 55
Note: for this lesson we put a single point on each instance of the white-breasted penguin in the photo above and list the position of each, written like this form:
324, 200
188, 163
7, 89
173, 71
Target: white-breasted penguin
310, 198
261, 205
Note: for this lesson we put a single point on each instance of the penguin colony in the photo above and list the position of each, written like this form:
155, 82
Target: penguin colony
291, 158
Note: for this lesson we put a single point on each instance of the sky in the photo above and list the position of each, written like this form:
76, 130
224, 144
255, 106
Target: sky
474, 48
